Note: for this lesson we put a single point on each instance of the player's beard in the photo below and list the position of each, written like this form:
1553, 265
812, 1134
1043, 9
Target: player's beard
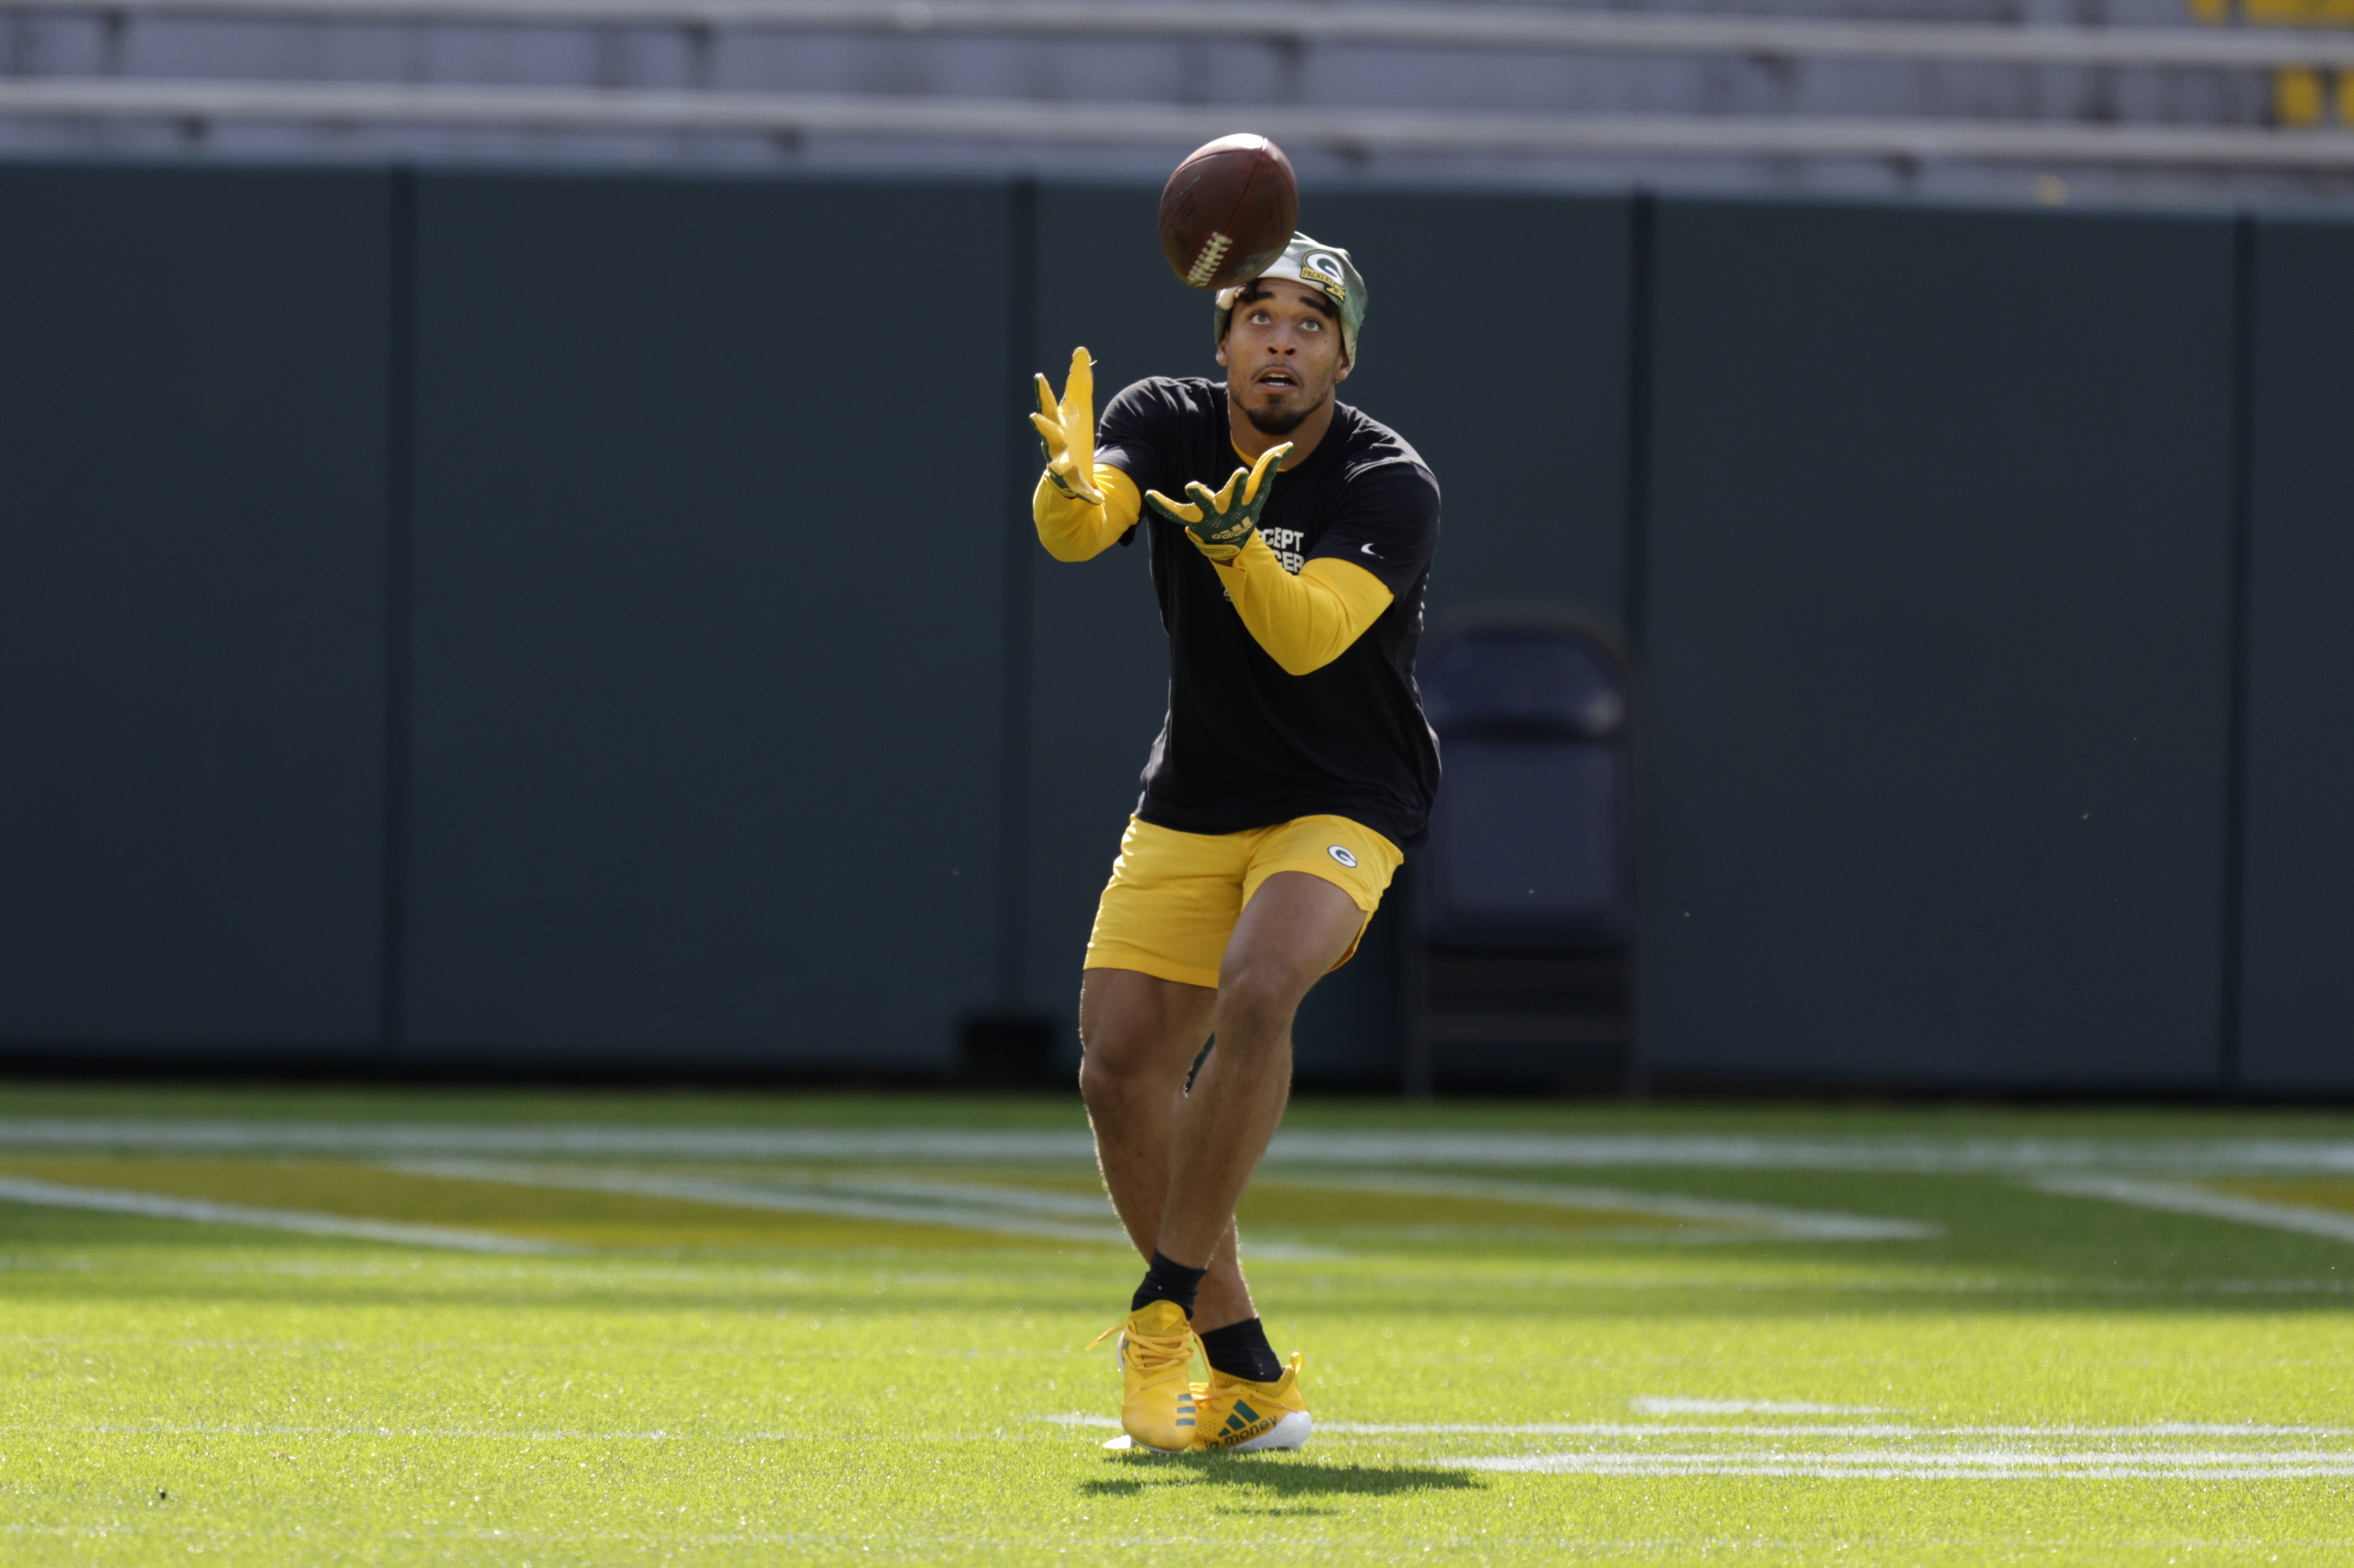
1281, 422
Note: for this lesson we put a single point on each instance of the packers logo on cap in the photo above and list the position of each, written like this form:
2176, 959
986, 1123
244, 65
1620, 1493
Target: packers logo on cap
1323, 269
1319, 266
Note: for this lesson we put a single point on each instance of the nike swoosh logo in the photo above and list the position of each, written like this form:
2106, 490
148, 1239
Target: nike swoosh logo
1368, 549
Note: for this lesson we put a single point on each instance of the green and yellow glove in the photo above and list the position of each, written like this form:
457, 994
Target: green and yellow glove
1222, 522
1067, 431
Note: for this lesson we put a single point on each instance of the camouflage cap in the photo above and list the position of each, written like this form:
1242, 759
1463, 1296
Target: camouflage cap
1325, 267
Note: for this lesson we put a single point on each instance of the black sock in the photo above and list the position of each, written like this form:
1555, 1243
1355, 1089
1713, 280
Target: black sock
1167, 1281
1240, 1350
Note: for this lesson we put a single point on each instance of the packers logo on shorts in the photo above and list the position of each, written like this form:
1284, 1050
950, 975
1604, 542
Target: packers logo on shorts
1342, 856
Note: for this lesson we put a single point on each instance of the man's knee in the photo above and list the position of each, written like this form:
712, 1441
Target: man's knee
1137, 1032
1125, 1056
1106, 1074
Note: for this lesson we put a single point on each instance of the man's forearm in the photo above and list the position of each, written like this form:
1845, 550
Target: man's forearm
1306, 621
1077, 530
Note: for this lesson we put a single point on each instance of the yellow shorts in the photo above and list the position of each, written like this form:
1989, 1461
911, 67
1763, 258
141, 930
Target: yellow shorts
1174, 897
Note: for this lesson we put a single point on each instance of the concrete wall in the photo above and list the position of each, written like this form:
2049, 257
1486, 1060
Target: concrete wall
587, 620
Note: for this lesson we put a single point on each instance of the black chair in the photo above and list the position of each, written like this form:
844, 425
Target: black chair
1523, 900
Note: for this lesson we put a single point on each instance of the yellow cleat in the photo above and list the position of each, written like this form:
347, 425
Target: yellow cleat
1156, 1350
1238, 1417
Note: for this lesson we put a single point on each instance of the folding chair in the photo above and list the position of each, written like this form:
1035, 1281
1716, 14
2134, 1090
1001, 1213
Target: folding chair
1523, 900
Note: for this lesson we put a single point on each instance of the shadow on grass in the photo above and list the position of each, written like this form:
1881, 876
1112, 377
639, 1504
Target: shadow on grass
1275, 1476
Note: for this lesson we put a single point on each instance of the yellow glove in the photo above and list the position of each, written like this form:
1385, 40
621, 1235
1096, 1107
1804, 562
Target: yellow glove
1067, 432
1222, 523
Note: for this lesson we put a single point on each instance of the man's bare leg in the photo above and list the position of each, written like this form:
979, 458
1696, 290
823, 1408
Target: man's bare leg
1140, 1036
1295, 928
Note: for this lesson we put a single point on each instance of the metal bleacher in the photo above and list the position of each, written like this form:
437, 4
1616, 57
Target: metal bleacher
1954, 96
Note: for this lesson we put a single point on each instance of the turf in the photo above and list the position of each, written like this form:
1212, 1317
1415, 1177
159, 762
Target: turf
2030, 1376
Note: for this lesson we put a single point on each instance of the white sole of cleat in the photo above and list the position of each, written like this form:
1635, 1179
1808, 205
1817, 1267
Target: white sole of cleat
1124, 1444
1291, 1432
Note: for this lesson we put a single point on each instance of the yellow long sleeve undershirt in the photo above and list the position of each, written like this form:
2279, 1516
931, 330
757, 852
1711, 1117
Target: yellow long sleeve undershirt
1076, 530
1304, 622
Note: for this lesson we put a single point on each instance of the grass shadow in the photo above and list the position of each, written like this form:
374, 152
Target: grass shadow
1281, 1475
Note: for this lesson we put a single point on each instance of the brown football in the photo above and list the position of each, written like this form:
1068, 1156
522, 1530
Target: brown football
1228, 211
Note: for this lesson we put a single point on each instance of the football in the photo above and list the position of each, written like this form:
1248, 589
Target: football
1228, 211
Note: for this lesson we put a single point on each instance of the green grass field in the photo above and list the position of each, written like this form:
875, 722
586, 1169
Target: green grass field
308, 1328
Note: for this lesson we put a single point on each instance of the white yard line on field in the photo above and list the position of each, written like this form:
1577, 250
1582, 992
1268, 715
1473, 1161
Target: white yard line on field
2182, 1200
1666, 1429
151, 1205
953, 1208
366, 1139
1767, 1152
1965, 1453
1295, 1147
1891, 1464
1810, 1225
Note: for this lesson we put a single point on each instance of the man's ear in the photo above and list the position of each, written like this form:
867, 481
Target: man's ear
1343, 373
1222, 351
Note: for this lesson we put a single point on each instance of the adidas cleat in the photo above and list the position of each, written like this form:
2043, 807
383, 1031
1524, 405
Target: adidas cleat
1156, 1353
1236, 1416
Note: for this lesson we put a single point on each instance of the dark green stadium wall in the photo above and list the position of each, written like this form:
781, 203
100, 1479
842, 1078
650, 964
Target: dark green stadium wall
193, 490
2297, 1022
1939, 631
708, 619
602, 605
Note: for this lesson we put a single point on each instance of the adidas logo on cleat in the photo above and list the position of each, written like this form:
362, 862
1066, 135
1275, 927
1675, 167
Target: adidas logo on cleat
1244, 1424
1242, 1417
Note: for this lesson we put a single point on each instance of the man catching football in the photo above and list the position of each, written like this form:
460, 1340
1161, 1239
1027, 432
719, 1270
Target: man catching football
1294, 766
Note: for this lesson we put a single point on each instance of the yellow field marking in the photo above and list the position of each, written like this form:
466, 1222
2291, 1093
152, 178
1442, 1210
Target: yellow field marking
568, 1216
1345, 1209
2313, 1193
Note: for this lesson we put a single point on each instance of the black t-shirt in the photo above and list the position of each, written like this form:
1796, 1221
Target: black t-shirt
1246, 746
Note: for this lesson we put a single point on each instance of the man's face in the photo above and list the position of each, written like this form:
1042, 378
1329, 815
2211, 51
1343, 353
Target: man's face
1282, 354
